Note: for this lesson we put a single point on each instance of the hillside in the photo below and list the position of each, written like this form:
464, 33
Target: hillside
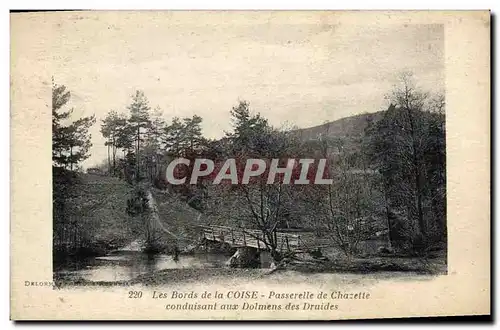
91, 218
177, 221
349, 127
90, 213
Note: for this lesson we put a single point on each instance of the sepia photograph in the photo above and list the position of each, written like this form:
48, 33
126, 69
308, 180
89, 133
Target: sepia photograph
261, 151
380, 125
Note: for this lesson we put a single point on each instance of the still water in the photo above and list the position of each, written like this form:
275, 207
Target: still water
123, 266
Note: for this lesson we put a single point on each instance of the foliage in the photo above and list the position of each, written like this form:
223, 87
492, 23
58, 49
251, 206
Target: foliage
389, 178
71, 142
407, 147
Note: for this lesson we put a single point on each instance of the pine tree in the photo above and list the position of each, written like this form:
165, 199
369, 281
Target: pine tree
70, 143
154, 143
139, 120
78, 140
249, 129
112, 128
193, 137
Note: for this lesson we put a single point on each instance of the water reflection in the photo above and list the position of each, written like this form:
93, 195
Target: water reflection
126, 266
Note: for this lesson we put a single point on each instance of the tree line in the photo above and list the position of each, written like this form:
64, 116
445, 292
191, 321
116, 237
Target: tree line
143, 138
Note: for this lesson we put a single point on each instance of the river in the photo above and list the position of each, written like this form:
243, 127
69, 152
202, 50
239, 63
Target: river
127, 265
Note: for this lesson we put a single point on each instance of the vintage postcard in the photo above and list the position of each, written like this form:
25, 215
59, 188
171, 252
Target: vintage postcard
260, 165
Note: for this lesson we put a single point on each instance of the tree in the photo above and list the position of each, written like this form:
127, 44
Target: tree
139, 120
184, 136
156, 128
343, 211
407, 147
70, 146
258, 204
125, 137
70, 143
193, 137
174, 137
247, 129
154, 144
60, 96
411, 101
78, 140
112, 126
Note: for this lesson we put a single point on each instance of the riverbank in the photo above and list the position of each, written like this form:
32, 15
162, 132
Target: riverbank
230, 277
359, 268
408, 267
433, 266
92, 216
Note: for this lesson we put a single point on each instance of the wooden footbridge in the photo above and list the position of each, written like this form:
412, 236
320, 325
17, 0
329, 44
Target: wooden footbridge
297, 241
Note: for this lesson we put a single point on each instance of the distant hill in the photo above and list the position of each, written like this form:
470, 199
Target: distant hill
350, 127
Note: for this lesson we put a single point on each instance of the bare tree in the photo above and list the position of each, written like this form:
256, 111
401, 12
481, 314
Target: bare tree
411, 101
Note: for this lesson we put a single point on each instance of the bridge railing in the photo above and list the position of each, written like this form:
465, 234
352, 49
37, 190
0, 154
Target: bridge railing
249, 237
286, 241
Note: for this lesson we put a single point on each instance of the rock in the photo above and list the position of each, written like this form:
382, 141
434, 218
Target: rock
190, 249
245, 257
266, 260
385, 250
318, 255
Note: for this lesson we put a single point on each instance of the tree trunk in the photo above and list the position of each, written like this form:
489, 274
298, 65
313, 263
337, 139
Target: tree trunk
71, 158
137, 154
109, 162
113, 150
416, 169
387, 212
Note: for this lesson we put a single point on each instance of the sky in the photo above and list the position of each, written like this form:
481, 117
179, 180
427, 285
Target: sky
300, 71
